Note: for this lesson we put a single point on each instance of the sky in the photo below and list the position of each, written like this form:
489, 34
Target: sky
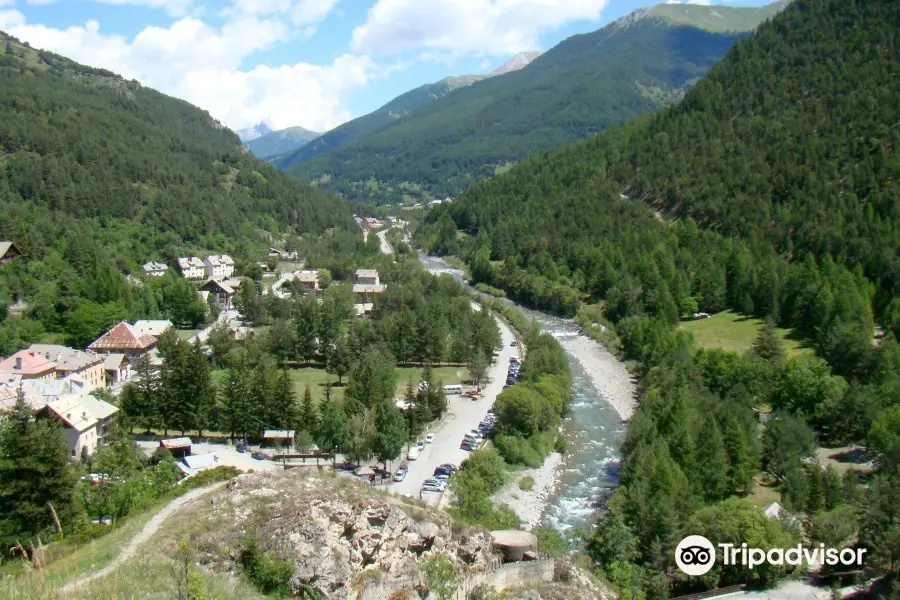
313, 63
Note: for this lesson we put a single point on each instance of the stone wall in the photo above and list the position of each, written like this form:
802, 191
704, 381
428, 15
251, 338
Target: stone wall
501, 578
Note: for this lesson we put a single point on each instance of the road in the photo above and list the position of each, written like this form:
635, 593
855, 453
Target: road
382, 237
230, 317
462, 415
145, 534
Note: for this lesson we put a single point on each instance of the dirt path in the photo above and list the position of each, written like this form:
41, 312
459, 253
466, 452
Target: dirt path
145, 534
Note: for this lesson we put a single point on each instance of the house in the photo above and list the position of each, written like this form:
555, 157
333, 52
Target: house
201, 462
117, 368
8, 251
154, 269
221, 291
367, 277
363, 308
772, 511
85, 418
191, 267
69, 361
152, 327
179, 447
218, 266
86, 421
308, 279
29, 365
123, 339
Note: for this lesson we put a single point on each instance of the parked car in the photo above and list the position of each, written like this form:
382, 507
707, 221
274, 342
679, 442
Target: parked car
431, 488
468, 444
259, 455
451, 467
442, 471
442, 477
436, 482
513, 344
241, 447
413, 453
429, 438
400, 475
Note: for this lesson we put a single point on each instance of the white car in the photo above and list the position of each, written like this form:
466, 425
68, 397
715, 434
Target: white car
429, 438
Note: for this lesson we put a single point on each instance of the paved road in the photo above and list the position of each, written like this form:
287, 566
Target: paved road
145, 534
230, 317
462, 415
382, 237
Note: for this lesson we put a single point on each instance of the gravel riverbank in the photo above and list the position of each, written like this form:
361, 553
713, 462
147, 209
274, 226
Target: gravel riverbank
530, 505
607, 373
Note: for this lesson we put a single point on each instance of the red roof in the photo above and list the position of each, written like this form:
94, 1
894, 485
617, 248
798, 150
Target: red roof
122, 337
29, 363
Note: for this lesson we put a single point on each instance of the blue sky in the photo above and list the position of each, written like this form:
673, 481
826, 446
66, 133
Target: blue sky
314, 63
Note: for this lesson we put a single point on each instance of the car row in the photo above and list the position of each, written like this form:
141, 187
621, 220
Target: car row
441, 478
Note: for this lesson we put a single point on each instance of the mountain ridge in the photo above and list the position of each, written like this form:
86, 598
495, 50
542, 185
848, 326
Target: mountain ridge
281, 141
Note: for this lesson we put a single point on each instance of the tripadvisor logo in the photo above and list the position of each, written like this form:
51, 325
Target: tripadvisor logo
695, 555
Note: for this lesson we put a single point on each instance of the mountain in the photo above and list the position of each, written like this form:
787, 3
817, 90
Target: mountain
251, 133
771, 190
278, 142
397, 108
586, 83
519, 61
99, 175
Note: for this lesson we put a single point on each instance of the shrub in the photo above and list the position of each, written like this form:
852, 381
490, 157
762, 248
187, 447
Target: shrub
526, 483
268, 573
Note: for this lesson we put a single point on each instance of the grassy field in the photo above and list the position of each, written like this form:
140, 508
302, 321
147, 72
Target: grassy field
187, 333
732, 331
317, 378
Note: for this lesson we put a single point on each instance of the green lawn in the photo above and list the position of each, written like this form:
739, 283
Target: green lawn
732, 331
187, 333
316, 379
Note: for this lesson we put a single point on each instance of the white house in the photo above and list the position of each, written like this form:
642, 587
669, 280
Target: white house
368, 282
191, 267
117, 368
218, 266
154, 269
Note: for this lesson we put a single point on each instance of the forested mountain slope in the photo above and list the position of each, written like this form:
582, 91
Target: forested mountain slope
775, 185
580, 87
283, 141
99, 174
400, 106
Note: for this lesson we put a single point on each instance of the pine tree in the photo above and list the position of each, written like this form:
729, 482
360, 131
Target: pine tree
816, 499
390, 431
309, 417
767, 344
712, 461
148, 384
204, 390
741, 466
35, 472
235, 400
834, 494
283, 414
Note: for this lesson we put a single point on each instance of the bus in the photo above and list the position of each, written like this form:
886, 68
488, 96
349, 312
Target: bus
453, 389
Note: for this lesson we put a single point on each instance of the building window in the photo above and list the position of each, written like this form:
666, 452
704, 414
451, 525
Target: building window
73, 452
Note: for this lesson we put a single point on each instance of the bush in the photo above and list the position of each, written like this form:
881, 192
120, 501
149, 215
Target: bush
526, 483
561, 444
517, 451
549, 541
268, 573
210, 476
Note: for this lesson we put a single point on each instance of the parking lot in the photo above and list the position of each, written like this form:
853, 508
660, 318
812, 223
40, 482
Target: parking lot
463, 415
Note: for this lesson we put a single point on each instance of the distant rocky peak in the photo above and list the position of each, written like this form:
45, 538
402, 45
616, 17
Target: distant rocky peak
519, 61
251, 133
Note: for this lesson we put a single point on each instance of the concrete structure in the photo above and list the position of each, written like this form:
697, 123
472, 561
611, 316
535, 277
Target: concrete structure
152, 327
116, 368
308, 279
367, 277
69, 361
515, 544
8, 251
219, 290
123, 339
363, 308
191, 267
154, 269
27, 364
218, 266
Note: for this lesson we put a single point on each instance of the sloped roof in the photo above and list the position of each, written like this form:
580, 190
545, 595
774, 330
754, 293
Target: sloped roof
5, 247
368, 288
310, 276
155, 266
186, 262
67, 359
220, 285
182, 442
278, 434
32, 363
367, 273
72, 413
152, 327
122, 337
112, 362
98, 408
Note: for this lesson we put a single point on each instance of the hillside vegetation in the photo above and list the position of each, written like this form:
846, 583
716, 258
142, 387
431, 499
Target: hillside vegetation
99, 174
582, 86
775, 195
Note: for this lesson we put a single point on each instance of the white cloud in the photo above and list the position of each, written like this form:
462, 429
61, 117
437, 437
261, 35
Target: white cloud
495, 27
176, 8
300, 12
201, 64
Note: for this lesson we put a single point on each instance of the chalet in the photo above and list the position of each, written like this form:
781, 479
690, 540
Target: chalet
218, 266
191, 267
117, 368
69, 361
8, 251
123, 339
154, 269
86, 421
26, 365
279, 437
308, 279
152, 327
367, 283
219, 290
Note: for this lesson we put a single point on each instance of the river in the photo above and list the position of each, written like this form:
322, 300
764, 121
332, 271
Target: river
594, 429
